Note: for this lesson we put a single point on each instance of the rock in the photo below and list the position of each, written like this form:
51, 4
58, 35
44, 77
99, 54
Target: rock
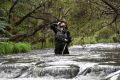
69, 71
115, 77
11, 71
112, 74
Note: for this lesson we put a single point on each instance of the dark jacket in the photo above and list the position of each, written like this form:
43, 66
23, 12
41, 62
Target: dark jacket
61, 35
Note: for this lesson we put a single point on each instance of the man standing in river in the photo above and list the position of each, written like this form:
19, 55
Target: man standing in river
62, 37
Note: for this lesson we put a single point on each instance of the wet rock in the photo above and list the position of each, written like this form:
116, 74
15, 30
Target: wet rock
11, 71
80, 64
115, 77
69, 71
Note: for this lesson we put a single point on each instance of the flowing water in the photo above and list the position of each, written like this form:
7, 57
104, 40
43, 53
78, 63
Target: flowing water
88, 62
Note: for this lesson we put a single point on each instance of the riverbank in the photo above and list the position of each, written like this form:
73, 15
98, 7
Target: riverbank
12, 47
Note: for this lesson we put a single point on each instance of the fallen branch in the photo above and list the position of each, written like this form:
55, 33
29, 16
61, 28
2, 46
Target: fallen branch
25, 35
27, 15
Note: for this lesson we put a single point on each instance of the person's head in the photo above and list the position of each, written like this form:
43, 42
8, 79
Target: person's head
63, 24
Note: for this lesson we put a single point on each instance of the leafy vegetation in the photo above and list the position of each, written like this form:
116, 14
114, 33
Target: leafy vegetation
89, 21
10, 47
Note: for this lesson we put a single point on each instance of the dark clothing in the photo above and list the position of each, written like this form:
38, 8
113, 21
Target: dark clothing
60, 36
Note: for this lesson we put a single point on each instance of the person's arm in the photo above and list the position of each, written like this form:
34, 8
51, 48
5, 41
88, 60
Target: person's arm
54, 27
68, 40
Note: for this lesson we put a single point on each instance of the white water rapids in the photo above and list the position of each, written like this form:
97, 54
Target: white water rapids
89, 62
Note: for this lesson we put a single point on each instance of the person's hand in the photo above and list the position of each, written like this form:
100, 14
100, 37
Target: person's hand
58, 23
66, 40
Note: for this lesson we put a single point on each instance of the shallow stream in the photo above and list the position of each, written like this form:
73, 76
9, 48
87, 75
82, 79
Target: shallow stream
88, 62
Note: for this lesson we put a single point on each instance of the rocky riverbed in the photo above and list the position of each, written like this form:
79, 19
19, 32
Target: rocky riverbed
88, 62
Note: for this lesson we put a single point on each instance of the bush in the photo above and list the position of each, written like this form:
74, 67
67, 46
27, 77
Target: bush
105, 40
36, 46
116, 38
90, 40
6, 47
21, 47
77, 40
10, 47
104, 34
47, 45
85, 40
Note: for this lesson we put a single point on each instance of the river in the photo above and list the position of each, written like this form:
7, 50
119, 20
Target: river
88, 62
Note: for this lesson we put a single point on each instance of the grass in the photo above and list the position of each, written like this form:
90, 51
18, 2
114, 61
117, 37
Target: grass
10, 47
47, 44
91, 40
6, 48
21, 47
39, 45
85, 40
36, 46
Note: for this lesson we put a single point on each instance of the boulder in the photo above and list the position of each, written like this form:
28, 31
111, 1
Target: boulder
67, 71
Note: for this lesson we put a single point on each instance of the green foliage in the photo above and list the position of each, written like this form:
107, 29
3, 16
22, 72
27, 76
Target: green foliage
90, 40
109, 40
6, 47
47, 45
21, 47
36, 46
10, 47
77, 41
104, 33
50, 44
116, 38
3, 25
85, 18
85, 40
